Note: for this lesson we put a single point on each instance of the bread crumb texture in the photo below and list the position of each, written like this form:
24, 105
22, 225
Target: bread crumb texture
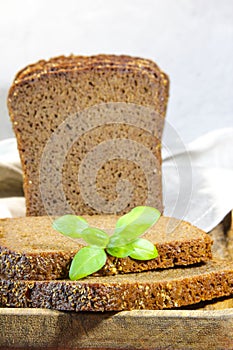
93, 100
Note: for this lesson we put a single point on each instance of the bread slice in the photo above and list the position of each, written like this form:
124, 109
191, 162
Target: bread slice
148, 290
70, 106
31, 249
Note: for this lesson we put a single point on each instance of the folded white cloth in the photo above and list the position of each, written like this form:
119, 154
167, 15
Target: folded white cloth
12, 207
197, 179
10, 169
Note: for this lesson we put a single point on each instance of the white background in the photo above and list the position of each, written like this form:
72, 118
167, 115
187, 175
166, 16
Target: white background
191, 40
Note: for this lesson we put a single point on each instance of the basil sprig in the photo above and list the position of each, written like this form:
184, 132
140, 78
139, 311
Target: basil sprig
124, 242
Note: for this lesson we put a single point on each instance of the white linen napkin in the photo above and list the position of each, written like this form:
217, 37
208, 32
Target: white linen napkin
10, 169
198, 180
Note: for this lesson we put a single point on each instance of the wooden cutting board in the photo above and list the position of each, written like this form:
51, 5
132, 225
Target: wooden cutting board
205, 326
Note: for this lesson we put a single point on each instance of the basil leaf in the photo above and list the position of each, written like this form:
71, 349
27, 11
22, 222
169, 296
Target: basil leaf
143, 250
133, 224
117, 241
120, 252
70, 225
87, 261
95, 237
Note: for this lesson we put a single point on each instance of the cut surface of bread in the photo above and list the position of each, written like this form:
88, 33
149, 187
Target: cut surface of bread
31, 249
146, 290
74, 104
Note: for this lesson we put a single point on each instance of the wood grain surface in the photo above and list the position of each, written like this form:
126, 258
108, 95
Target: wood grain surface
164, 329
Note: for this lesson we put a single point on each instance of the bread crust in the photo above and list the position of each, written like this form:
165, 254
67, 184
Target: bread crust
82, 62
149, 290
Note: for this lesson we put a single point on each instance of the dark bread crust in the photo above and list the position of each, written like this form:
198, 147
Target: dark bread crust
31, 249
121, 63
149, 290
76, 62
45, 93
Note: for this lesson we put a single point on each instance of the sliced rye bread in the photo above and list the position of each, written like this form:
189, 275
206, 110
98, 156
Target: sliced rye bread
48, 93
146, 290
31, 249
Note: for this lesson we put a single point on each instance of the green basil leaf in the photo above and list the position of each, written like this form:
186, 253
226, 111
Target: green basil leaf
117, 241
137, 221
95, 237
120, 252
87, 261
133, 224
70, 225
143, 250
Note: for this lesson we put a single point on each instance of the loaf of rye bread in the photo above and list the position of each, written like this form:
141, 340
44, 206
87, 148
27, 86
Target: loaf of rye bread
146, 290
64, 108
31, 249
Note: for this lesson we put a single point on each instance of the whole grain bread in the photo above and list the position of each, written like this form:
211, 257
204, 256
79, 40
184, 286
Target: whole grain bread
120, 98
31, 249
146, 290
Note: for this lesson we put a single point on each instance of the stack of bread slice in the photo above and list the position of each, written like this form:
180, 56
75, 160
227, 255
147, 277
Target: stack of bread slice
48, 102
64, 108
35, 260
